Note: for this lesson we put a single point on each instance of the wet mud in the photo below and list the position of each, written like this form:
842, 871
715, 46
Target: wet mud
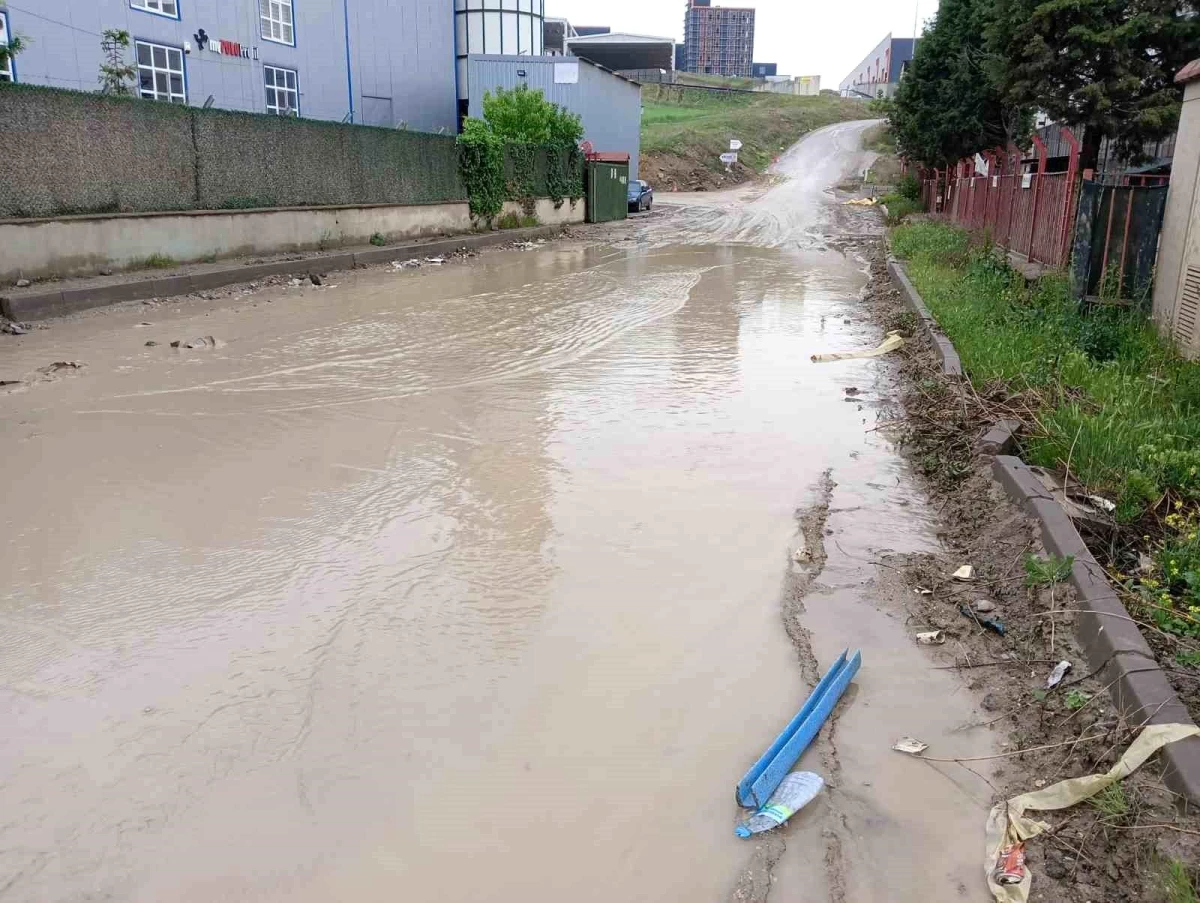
518, 561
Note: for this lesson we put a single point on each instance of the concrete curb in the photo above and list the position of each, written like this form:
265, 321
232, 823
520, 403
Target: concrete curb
1113, 643
951, 365
39, 304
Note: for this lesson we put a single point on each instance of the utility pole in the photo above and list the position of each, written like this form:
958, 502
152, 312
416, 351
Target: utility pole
349, 71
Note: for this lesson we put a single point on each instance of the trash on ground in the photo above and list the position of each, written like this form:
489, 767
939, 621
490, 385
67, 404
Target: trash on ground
314, 278
151, 343
861, 202
910, 745
984, 606
23, 283
795, 792
142, 325
295, 283
993, 624
1102, 503
14, 329
922, 591
524, 245
1010, 867
435, 261
1056, 676
966, 572
206, 341
1008, 827
893, 341
758, 784
931, 638
401, 264
1074, 498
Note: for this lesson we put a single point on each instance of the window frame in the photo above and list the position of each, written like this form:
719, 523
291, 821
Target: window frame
296, 90
263, 33
10, 69
155, 69
133, 4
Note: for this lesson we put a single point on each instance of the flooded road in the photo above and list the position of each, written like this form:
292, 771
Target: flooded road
465, 583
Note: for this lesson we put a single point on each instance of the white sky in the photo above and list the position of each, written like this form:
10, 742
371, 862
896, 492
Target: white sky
805, 37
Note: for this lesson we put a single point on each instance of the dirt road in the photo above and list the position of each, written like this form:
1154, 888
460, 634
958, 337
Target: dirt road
474, 582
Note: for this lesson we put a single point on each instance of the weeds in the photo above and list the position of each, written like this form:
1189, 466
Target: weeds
1048, 570
159, 262
899, 207
378, 240
517, 221
1177, 884
1112, 804
1075, 700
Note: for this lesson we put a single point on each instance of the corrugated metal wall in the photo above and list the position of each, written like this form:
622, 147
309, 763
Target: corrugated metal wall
402, 53
611, 107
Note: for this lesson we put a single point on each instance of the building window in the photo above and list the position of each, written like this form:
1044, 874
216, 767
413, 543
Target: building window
277, 22
160, 72
7, 72
158, 7
283, 97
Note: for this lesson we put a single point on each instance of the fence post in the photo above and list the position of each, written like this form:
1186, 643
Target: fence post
1070, 200
1037, 193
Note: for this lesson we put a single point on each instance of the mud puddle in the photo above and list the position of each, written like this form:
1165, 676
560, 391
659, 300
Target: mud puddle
475, 564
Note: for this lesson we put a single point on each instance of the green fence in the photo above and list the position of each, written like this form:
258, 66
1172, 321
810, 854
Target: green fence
71, 152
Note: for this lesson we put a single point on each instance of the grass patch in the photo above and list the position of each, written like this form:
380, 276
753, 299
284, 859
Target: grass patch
378, 240
899, 207
1177, 884
1111, 803
516, 221
1107, 399
697, 125
159, 262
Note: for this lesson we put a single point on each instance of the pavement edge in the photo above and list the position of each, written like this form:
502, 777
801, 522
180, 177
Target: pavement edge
1113, 643
43, 304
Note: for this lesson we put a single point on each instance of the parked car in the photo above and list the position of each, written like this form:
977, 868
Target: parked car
640, 195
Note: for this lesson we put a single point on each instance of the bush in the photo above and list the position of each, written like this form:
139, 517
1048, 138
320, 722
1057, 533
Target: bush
909, 186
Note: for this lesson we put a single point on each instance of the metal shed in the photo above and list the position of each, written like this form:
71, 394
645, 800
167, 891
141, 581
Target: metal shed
609, 105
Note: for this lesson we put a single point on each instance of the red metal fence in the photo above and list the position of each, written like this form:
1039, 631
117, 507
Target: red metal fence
1032, 213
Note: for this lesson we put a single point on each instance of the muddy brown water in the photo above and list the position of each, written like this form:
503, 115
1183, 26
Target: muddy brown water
465, 583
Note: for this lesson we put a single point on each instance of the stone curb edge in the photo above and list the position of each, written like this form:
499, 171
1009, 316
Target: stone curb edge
1113, 643
951, 365
39, 305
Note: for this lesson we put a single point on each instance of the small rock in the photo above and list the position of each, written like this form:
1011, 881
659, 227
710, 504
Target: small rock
984, 606
990, 702
13, 329
852, 390
1055, 870
314, 278
106, 272
294, 282
151, 343
23, 283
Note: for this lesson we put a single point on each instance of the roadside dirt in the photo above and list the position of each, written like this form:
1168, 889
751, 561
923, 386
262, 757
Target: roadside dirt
685, 172
1115, 849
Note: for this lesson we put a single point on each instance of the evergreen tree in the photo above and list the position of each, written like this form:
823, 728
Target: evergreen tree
947, 106
1104, 67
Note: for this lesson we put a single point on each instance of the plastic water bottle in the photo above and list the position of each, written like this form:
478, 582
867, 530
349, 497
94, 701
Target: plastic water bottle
793, 793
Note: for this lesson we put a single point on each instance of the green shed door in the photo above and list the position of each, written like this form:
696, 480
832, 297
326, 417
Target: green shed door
607, 187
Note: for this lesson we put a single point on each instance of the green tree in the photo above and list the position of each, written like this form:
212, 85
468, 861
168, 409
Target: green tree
1105, 67
946, 106
116, 75
7, 51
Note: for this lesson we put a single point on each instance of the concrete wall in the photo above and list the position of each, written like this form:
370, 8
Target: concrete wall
1181, 204
66, 152
402, 53
610, 107
74, 246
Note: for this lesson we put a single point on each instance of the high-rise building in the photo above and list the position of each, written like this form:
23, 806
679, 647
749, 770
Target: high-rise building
718, 40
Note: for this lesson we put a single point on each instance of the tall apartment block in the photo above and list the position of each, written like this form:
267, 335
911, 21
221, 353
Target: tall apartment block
718, 40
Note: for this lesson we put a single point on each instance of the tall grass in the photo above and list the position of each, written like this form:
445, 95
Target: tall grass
1111, 395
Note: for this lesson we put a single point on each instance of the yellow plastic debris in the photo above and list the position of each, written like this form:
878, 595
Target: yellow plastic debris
1007, 825
893, 341
861, 202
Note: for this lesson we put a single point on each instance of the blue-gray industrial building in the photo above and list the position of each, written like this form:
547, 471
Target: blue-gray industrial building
390, 63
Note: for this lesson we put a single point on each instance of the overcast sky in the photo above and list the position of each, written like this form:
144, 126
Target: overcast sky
805, 37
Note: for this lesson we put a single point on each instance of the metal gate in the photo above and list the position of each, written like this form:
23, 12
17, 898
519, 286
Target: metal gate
607, 191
